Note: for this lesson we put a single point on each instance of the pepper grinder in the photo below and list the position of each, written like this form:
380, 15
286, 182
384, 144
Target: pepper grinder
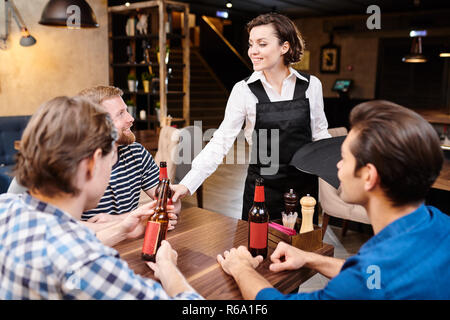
289, 217
308, 204
290, 201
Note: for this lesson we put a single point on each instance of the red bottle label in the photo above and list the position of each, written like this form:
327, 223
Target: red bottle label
258, 235
151, 237
259, 194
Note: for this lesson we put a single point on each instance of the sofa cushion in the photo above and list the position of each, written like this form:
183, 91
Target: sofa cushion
11, 129
5, 181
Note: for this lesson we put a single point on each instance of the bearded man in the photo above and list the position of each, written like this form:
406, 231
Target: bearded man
134, 169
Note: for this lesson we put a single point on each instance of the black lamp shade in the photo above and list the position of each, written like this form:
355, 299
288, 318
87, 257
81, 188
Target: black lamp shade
416, 55
27, 41
55, 13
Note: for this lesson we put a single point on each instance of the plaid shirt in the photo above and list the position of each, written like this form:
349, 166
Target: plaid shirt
46, 254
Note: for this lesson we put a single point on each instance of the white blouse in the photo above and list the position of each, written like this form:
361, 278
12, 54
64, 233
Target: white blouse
241, 106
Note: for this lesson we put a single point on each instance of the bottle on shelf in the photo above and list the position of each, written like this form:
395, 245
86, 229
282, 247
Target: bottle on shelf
258, 219
157, 225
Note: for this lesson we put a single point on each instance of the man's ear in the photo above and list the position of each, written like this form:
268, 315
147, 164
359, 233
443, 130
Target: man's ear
371, 177
92, 164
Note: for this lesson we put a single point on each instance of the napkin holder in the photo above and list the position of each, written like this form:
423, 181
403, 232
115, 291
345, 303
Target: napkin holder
308, 241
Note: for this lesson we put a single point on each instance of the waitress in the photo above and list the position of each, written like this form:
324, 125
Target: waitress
274, 97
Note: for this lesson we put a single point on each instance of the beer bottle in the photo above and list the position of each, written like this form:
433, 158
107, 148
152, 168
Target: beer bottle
163, 175
258, 219
157, 225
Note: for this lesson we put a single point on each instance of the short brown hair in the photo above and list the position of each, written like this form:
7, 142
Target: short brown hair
285, 30
402, 145
99, 94
59, 135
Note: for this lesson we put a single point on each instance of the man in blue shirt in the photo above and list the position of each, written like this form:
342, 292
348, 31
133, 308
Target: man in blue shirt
390, 159
67, 151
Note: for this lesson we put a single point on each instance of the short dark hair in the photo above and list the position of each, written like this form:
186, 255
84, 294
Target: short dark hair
404, 148
61, 133
285, 30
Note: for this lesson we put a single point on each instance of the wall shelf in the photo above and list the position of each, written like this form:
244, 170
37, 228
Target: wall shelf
148, 36
141, 65
167, 24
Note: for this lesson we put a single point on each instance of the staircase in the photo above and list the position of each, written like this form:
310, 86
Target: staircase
208, 95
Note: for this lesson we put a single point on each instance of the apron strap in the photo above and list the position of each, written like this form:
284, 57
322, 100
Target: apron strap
301, 86
258, 90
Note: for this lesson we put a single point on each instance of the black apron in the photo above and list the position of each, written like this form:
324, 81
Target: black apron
292, 119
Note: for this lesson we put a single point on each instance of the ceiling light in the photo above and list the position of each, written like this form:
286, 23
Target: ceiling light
445, 52
416, 56
222, 14
229, 4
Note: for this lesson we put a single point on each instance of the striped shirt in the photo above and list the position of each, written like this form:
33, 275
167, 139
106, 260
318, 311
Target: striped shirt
47, 254
134, 171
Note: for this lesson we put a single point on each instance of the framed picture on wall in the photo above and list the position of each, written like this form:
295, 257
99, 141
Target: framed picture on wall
330, 58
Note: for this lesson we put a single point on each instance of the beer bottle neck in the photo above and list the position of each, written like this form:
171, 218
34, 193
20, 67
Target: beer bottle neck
162, 196
162, 173
259, 194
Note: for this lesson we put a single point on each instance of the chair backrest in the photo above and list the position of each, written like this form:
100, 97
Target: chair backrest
191, 143
167, 142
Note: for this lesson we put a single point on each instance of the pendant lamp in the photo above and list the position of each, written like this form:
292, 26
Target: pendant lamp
445, 52
62, 13
416, 56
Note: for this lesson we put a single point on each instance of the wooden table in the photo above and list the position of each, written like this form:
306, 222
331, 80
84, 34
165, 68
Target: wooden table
198, 238
434, 116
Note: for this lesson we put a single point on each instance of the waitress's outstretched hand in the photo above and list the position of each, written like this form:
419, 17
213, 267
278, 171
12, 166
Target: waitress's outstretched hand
180, 191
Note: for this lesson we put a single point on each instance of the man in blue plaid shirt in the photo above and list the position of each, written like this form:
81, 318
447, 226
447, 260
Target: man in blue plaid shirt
65, 160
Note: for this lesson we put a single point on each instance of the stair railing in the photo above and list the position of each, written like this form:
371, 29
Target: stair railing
221, 56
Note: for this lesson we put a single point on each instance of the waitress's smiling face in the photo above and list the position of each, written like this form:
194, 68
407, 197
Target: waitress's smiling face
264, 48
